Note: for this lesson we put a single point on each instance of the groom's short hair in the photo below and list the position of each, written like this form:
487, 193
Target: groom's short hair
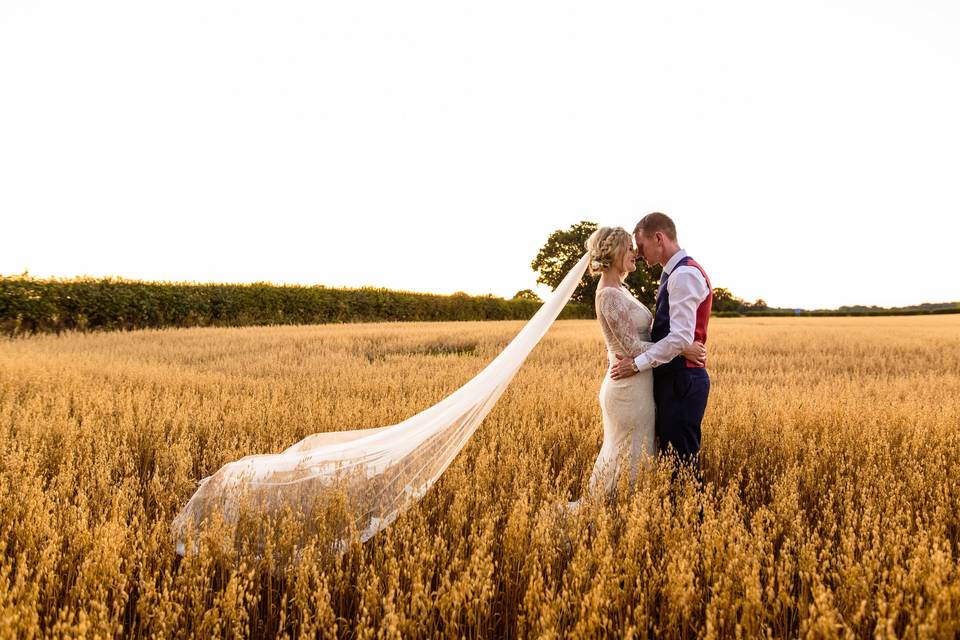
656, 221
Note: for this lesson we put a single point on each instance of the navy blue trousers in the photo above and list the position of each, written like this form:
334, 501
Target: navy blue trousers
681, 397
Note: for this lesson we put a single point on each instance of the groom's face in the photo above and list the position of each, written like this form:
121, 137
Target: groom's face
647, 248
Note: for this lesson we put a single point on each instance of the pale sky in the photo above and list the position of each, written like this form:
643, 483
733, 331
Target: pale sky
808, 151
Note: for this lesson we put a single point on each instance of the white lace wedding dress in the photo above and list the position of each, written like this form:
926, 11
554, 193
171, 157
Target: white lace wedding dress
627, 405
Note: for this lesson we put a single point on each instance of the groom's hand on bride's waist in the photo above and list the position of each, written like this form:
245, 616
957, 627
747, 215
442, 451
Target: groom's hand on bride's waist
624, 368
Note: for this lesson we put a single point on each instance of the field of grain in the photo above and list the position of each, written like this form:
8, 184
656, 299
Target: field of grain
831, 508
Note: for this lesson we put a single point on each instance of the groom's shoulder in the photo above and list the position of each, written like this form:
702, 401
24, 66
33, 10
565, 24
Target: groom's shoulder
692, 271
691, 263
692, 266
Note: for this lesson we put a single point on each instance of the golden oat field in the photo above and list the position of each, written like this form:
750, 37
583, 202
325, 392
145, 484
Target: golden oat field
831, 506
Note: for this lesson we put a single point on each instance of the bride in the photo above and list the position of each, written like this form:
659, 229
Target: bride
627, 405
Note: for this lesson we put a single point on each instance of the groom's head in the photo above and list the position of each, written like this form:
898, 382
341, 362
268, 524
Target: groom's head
656, 237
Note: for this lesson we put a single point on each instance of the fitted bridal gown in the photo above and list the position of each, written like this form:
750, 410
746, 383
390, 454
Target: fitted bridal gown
627, 405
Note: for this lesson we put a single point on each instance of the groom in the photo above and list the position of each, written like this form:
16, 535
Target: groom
680, 387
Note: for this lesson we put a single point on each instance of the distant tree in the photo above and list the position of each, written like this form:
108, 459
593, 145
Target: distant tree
527, 294
563, 250
723, 300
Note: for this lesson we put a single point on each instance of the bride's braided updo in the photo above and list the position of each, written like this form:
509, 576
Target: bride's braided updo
605, 246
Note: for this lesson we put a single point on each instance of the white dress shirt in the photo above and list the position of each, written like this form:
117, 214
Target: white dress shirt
687, 288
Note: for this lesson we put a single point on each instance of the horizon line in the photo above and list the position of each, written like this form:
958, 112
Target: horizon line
27, 276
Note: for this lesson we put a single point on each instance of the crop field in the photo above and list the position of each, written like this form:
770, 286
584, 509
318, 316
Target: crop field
831, 508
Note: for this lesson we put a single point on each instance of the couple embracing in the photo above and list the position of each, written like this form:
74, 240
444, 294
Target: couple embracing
655, 392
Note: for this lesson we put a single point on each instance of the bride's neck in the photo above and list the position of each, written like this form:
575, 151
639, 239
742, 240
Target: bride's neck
609, 279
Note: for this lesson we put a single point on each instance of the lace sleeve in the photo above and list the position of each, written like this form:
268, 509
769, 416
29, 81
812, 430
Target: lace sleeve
624, 322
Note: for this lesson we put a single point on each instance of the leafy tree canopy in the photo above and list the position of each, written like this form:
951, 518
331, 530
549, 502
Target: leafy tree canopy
563, 250
527, 294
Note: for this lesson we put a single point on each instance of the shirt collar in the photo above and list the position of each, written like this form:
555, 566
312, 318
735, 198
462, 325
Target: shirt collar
672, 263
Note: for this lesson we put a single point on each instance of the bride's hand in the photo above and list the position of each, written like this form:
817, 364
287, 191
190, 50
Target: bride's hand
696, 353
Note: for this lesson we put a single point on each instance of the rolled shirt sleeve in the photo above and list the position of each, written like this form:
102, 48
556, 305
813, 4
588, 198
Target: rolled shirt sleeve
687, 289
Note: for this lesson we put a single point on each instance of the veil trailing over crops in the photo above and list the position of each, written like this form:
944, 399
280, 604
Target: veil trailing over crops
382, 470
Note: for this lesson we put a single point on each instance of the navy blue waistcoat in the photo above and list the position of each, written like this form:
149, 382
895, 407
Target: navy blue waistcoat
661, 318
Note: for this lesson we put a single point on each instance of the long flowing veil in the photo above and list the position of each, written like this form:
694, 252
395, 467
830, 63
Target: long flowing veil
384, 470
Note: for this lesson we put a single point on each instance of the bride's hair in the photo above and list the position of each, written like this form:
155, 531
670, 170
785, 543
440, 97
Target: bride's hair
604, 245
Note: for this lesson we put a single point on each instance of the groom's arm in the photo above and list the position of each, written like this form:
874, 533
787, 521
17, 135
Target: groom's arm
687, 289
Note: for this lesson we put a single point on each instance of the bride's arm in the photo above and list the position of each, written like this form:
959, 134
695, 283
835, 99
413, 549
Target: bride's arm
622, 324
695, 352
